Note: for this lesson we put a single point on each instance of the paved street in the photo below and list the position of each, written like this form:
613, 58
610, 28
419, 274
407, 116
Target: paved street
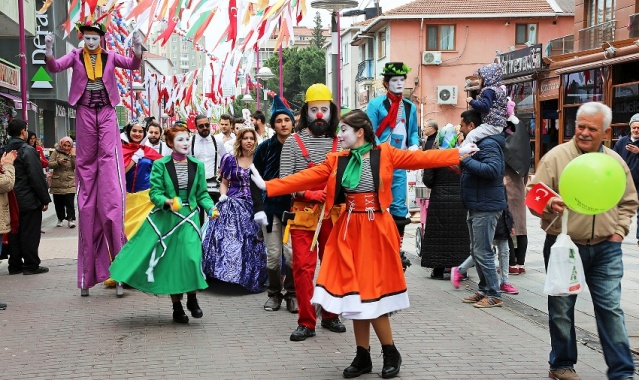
49, 331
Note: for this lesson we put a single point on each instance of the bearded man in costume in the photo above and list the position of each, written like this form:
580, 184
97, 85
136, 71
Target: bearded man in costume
308, 147
100, 166
394, 120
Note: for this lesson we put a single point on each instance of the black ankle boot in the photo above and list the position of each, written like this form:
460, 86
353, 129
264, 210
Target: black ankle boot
179, 316
361, 364
194, 308
392, 361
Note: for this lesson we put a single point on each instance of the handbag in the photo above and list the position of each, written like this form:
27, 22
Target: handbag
565, 272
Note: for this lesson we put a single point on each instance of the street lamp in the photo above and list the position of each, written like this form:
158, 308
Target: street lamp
248, 99
265, 74
335, 6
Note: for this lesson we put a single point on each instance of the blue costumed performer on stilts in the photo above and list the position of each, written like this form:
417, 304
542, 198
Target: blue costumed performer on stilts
395, 121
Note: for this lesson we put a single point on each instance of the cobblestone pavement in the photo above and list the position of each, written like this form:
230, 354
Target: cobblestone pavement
49, 331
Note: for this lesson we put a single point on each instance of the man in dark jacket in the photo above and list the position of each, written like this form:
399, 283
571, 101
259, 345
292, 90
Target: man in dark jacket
484, 196
628, 148
33, 198
267, 161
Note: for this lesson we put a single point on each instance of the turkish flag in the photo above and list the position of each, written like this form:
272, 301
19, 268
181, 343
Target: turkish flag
538, 197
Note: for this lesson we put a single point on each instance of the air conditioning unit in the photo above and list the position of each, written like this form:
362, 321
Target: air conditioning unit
446, 94
431, 57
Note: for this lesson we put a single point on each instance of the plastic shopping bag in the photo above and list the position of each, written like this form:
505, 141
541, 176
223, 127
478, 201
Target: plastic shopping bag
565, 273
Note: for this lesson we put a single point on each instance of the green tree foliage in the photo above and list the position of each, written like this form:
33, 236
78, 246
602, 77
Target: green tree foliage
318, 38
302, 68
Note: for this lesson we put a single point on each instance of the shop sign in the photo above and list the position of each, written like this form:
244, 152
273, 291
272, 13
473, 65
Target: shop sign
60, 110
549, 89
71, 113
521, 62
41, 79
9, 77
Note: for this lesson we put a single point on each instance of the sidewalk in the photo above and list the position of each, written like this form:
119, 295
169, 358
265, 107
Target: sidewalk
49, 331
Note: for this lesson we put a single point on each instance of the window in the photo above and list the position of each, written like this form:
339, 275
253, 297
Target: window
598, 11
371, 49
346, 53
174, 55
184, 71
525, 33
193, 63
440, 37
381, 44
173, 39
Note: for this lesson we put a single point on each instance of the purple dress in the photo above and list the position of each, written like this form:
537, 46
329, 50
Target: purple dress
233, 251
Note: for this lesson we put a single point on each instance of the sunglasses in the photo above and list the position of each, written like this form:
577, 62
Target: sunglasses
205, 125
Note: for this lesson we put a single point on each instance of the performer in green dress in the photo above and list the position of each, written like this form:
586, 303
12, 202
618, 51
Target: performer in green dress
165, 255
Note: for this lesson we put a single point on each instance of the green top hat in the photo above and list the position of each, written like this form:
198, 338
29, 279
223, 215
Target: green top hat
92, 26
393, 69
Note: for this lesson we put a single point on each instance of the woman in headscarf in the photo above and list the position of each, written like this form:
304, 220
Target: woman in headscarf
62, 162
446, 242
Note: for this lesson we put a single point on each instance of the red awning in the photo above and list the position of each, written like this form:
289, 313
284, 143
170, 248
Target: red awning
18, 102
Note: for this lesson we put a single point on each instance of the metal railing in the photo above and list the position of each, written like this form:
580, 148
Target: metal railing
561, 45
633, 25
365, 70
593, 37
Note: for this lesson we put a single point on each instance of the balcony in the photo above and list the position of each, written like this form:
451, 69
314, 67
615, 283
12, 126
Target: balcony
365, 71
593, 37
561, 45
633, 25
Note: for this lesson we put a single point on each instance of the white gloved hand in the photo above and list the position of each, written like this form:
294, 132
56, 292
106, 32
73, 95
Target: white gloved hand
48, 43
413, 148
137, 155
137, 43
261, 218
257, 178
223, 198
468, 149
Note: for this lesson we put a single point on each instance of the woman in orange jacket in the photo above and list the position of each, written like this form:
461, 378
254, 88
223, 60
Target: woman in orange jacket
361, 276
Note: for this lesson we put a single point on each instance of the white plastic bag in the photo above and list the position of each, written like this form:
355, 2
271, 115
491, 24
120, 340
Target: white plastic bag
565, 273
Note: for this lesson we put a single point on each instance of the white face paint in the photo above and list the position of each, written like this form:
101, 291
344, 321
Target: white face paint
91, 40
347, 136
396, 85
181, 143
319, 108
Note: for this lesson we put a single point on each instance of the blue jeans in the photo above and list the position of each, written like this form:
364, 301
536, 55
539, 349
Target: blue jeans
603, 267
481, 227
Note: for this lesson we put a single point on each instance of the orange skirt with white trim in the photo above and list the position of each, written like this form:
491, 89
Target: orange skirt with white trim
361, 275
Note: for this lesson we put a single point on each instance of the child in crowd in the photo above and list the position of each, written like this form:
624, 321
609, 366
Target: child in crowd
491, 102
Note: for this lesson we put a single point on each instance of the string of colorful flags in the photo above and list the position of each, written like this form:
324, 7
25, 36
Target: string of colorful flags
189, 19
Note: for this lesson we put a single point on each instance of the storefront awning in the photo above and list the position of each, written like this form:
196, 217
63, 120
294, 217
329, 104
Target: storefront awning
18, 102
524, 78
600, 63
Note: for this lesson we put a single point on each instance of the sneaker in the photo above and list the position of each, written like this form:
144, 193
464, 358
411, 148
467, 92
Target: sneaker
71, 223
334, 324
487, 302
522, 270
513, 270
59, 223
455, 277
563, 374
508, 288
474, 298
273, 303
291, 305
301, 333
38, 270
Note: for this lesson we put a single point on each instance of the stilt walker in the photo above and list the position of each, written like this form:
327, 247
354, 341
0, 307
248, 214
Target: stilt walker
395, 121
100, 166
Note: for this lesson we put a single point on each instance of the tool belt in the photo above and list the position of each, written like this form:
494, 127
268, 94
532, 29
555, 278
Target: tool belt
307, 215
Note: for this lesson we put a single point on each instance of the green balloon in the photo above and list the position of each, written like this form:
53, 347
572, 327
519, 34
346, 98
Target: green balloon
592, 183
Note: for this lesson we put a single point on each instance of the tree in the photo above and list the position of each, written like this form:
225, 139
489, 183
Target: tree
318, 38
302, 68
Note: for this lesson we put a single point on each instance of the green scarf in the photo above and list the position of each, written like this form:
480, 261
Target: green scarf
353, 171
